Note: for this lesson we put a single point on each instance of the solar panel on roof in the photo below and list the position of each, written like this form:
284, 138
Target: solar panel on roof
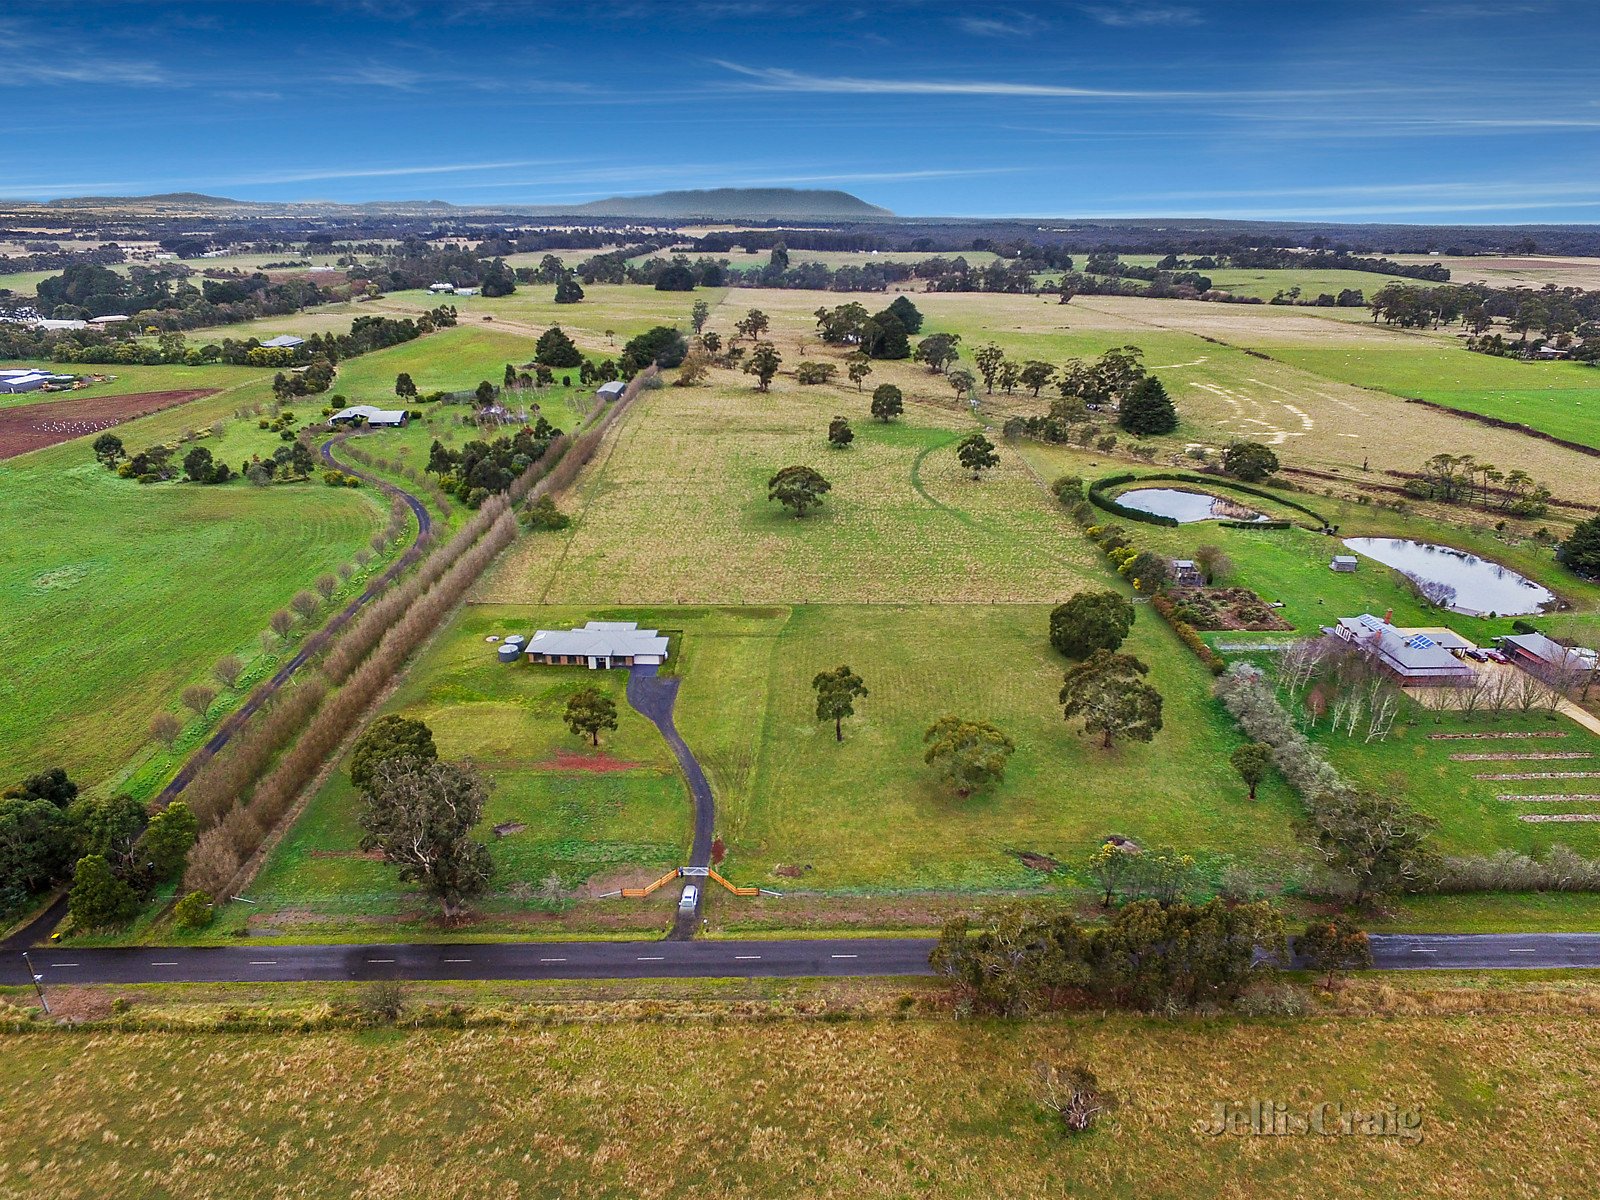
1421, 641
1370, 621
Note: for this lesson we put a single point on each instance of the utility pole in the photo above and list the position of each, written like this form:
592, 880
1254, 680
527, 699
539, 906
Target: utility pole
38, 986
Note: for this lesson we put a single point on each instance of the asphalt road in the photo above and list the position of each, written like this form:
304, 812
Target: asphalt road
61, 965
799, 957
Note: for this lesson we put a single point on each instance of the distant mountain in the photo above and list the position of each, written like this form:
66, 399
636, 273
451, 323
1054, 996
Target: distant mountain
715, 204
164, 200
735, 203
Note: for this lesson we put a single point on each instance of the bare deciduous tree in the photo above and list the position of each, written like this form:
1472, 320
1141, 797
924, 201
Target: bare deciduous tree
165, 728
282, 622
199, 697
326, 586
228, 670
304, 603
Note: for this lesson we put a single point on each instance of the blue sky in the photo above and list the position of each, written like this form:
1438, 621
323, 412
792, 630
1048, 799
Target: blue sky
1362, 110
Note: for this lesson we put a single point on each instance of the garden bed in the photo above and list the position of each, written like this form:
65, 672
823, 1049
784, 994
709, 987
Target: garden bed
1224, 608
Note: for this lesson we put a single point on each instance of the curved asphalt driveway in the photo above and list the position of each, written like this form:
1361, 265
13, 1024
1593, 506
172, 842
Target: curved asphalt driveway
653, 698
318, 641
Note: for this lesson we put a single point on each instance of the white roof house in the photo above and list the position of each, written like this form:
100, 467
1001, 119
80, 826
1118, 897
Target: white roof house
436, 288
373, 415
464, 291
284, 341
599, 645
48, 323
109, 319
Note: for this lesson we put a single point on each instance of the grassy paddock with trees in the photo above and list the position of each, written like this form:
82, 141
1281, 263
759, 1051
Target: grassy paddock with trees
678, 510
583, 813
121, 595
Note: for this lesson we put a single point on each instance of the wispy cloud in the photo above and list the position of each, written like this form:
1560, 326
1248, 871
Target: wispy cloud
311, 176
781, 79
1009, 26
382, 75
1143, 16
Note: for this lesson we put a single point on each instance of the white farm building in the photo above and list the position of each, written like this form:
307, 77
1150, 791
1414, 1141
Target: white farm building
374, 418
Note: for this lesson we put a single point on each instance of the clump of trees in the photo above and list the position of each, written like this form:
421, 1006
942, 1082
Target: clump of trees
114, 852
1462, 479
1580, 552
662, 346
482, 469
1148, 956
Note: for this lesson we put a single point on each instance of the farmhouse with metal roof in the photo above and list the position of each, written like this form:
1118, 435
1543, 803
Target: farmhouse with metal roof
599, 645
1413, 656
373, 416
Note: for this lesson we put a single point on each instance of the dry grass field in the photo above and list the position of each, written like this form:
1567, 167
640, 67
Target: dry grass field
866, 1108
676, 511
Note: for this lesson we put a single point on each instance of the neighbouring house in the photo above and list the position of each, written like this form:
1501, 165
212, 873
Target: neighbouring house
611, 391
284, 341
377, 418
466, 291
14, 383
1415, 657
439, 289
49, 323
599, 645
1343, 562
1546, 657
110, 319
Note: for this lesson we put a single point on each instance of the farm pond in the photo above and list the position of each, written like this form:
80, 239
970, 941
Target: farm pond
1456, 579
1185, 507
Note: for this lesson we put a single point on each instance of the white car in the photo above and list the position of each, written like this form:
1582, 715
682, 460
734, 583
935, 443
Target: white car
690, 897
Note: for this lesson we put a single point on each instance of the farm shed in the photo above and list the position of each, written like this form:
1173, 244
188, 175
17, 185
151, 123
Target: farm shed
284, 341
1546, 657
16, 382
611, 391
1343, 562
599, 645
440, 288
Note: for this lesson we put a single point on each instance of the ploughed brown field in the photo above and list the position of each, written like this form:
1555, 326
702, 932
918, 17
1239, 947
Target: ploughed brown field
34, 426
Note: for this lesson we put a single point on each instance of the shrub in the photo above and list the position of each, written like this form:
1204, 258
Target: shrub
194, 911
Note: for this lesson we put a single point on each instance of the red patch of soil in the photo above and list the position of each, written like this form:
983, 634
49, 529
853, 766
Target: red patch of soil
36, 426
569, 760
